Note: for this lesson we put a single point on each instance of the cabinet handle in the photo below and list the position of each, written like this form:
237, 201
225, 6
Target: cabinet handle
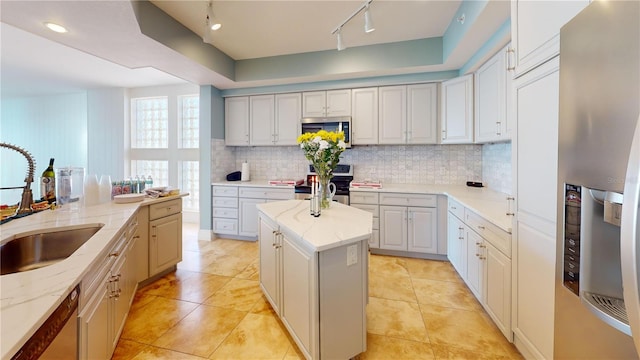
509, 211
444, 134
114, 254
480, 227
498, 132
508, 55
453, 208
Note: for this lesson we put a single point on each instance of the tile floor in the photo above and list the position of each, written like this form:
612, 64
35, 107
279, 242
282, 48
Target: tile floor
212, 308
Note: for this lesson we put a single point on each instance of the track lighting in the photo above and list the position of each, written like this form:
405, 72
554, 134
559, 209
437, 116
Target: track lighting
210, 24
340, 43
55, 27
368, 23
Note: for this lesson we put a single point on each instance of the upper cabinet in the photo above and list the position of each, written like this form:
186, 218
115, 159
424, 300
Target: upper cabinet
408, 114
364, 116
263, 120
236, 121
326, 103
457, 110
492, 100
535, 29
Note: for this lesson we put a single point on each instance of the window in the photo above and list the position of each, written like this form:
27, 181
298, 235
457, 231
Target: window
165, 125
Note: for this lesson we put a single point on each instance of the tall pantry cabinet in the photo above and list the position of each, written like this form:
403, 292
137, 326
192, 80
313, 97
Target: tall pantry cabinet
535, 27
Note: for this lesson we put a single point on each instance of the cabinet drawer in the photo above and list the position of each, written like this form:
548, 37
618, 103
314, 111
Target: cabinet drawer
224, 191
493, 234
227, 202
266, 193
399, 199
456, 208
228, 213
373, 209
225, 226
166, 208
357, 197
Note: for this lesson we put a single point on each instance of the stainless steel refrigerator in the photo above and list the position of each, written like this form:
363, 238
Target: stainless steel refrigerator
597, 308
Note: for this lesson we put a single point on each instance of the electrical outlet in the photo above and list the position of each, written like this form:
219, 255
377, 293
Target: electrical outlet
352, 255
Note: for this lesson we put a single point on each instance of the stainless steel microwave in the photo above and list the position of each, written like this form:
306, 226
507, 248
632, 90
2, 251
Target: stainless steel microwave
342, 123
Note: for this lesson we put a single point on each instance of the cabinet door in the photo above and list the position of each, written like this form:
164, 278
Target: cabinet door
422, 114
456, 244
261, 119
270, 249
94, 325
248, 218
339, 102
490, 96
314, 103
141, 245
287, 123
296, 293
165, 246
364, 117
457, 110
236, 121
393, 114
475, 264
119, 301
393, 228
422, 230
498, 289
535, 29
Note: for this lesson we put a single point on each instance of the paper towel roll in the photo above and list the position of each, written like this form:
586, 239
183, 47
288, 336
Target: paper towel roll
245, 172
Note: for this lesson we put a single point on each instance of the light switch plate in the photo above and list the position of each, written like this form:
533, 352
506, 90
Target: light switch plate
352, 255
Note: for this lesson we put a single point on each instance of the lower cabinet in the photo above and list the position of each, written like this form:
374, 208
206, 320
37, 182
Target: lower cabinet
368, 201
164, 250
408, 228
481, 253
315, 293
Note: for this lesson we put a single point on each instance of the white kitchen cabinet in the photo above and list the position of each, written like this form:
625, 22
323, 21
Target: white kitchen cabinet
408, 228
475, 263
262, 119
275, 119
236, 121
497, 300
224, 204
141, 246
408, 114
535, 179
287, 118
393, 114
326, 103
165, 231
368, 201
248, 216
364, 116
457, 110
492, 99
94, 324
535, 30
270, 252
456, 244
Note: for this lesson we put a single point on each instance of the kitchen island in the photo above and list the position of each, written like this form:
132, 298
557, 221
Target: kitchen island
314, 273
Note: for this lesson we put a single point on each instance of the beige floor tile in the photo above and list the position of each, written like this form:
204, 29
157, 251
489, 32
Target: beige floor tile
431, 269
154, 353
391, 286
387, 265
127, 349
194, 261
245, 343
293, 354
463, 329
385, 348
445, 293
150, 321
226, 264
251, 272
237, 294
186, 285
455, 353
398, 319
202, 331
262, 306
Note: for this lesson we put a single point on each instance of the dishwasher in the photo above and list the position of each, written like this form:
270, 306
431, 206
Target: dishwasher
57, 338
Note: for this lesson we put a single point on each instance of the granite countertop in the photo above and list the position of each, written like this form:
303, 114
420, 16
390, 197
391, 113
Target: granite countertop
336, 226
28, 298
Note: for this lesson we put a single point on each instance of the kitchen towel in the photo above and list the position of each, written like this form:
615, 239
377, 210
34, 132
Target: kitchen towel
245, 172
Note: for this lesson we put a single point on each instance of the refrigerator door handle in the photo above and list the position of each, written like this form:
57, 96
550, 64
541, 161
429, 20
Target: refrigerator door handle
630, 239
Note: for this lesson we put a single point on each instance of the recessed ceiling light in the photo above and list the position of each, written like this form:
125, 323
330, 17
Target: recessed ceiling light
55, 27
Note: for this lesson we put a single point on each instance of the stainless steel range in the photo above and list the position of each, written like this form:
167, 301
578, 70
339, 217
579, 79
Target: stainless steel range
342, 177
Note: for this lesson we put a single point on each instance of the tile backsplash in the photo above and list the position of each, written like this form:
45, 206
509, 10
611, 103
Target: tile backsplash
419, 164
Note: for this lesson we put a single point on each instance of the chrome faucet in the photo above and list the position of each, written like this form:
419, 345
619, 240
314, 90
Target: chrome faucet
27, 195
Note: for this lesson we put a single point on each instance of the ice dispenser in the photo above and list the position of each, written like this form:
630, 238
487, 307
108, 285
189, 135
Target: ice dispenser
592, 267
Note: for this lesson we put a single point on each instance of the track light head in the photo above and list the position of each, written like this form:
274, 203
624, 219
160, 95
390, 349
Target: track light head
368, 22
340, 42
213, 24
207, 31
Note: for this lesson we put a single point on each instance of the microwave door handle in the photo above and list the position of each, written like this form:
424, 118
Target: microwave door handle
630, 239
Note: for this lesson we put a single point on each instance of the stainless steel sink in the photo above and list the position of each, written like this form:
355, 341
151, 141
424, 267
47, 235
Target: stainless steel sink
35, 250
